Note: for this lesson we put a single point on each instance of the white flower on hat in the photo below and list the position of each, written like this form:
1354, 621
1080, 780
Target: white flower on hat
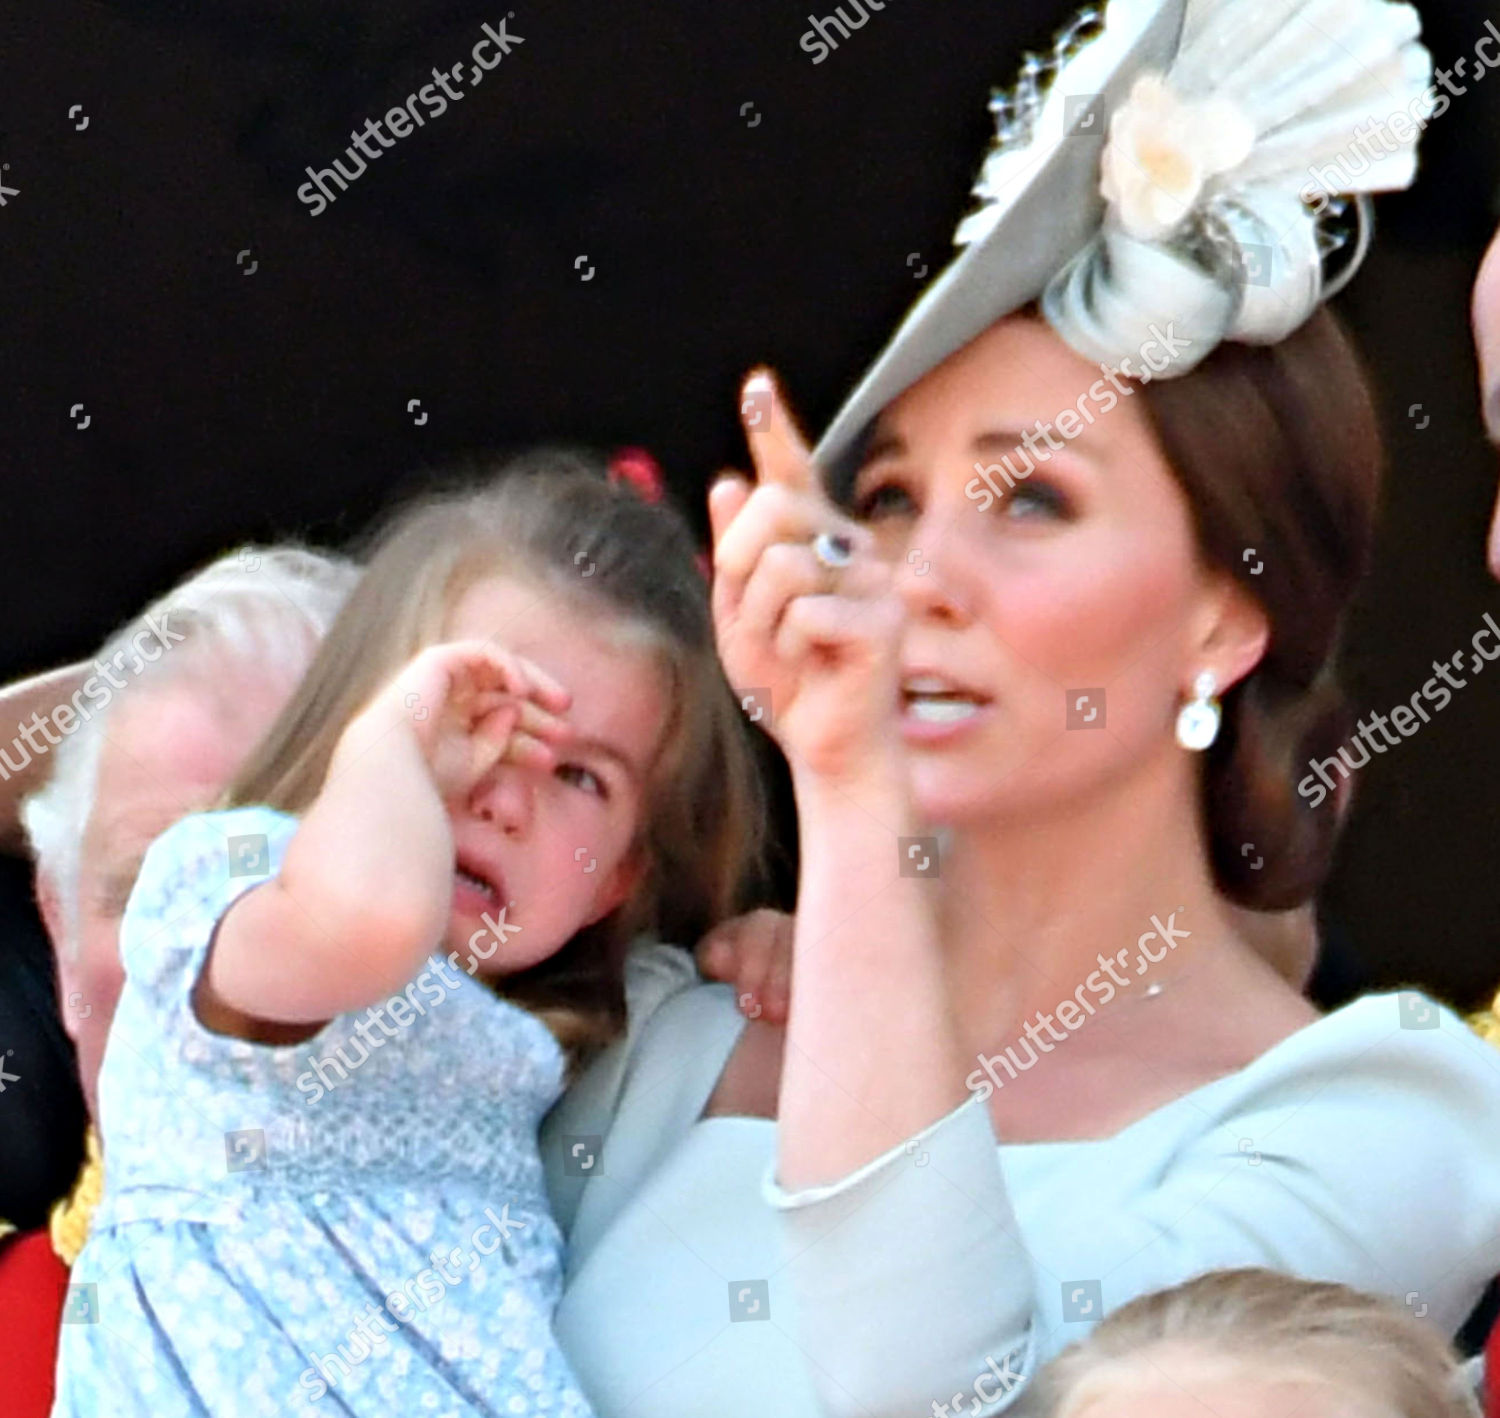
1161, 152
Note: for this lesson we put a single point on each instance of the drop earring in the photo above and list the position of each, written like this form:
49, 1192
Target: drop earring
1198, 719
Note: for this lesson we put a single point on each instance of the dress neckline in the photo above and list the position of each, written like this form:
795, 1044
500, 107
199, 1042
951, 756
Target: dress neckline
1296, 1036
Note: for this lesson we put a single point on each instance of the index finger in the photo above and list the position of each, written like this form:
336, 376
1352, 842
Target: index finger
519, 675
779, 451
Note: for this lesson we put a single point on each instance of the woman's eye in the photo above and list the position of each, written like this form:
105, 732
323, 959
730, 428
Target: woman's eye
883, 500
1027, 501
580, 777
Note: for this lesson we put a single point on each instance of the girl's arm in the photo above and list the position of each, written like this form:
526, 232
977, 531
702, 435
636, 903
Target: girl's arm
871, 1054
366, 886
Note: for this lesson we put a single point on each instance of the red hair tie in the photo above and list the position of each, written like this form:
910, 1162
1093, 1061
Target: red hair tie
639, 470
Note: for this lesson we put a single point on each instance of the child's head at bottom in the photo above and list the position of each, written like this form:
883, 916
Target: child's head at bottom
1256, 1344
650, 819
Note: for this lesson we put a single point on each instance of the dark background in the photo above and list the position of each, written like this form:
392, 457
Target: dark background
225, 405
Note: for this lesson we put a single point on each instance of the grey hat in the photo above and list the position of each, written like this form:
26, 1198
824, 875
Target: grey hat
1172, 163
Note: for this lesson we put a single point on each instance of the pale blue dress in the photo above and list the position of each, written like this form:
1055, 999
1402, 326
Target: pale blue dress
355, 1224
1365, 1148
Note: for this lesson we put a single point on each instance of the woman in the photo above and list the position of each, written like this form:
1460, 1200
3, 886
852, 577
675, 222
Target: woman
1047, 726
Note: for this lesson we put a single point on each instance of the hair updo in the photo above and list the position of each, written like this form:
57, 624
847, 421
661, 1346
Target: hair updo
1277, 449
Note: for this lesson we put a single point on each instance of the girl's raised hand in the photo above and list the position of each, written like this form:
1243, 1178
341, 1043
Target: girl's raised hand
470, 705
822, 643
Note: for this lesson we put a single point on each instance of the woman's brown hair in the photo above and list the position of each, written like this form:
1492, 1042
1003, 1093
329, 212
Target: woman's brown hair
1278, 451
1260, 1326
554, 520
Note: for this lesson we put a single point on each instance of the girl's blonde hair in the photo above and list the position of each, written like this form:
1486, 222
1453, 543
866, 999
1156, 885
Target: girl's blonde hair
1266, 1327
554, 520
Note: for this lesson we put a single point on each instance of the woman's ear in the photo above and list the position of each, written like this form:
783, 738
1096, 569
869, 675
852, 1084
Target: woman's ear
1234, 632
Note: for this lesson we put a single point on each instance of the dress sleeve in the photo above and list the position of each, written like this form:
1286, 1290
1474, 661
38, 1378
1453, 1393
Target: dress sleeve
189, 878
1366, 1153
913, 1283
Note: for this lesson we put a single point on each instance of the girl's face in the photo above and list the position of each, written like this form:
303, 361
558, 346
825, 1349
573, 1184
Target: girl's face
1053, 630
555, 844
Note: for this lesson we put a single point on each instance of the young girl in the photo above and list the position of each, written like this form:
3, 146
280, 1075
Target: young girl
1255, 1343
514, 751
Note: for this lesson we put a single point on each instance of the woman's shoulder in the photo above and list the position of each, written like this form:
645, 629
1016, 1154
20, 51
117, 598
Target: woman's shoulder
678, 1032
642, 1093
1378, 1024
1396, 1059
680, 1028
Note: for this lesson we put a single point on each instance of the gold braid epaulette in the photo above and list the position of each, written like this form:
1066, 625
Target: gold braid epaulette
1487, 1022
70, 1218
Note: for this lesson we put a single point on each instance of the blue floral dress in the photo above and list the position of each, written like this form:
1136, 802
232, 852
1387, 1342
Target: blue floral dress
355, 1224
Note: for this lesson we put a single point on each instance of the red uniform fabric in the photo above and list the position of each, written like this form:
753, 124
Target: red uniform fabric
33, 1285
1492, 1373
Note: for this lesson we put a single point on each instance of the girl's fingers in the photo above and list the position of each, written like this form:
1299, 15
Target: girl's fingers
776, 997
749, 981
545, 690
493, 733
529, 752
488, 668
531, 681
550, 728
501, 713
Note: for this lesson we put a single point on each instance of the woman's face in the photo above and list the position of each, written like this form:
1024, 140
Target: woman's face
1487, 341
1053, 630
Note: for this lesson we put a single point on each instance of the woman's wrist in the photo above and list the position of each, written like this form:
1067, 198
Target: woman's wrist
880, 789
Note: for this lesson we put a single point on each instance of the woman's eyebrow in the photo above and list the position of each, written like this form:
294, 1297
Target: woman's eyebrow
1003, 440
892, 445
883, 445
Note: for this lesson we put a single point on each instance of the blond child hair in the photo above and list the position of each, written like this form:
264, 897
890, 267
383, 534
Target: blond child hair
554, 519
1360, 1355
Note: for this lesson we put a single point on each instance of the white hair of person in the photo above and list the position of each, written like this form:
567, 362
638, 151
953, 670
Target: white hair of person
263, 607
